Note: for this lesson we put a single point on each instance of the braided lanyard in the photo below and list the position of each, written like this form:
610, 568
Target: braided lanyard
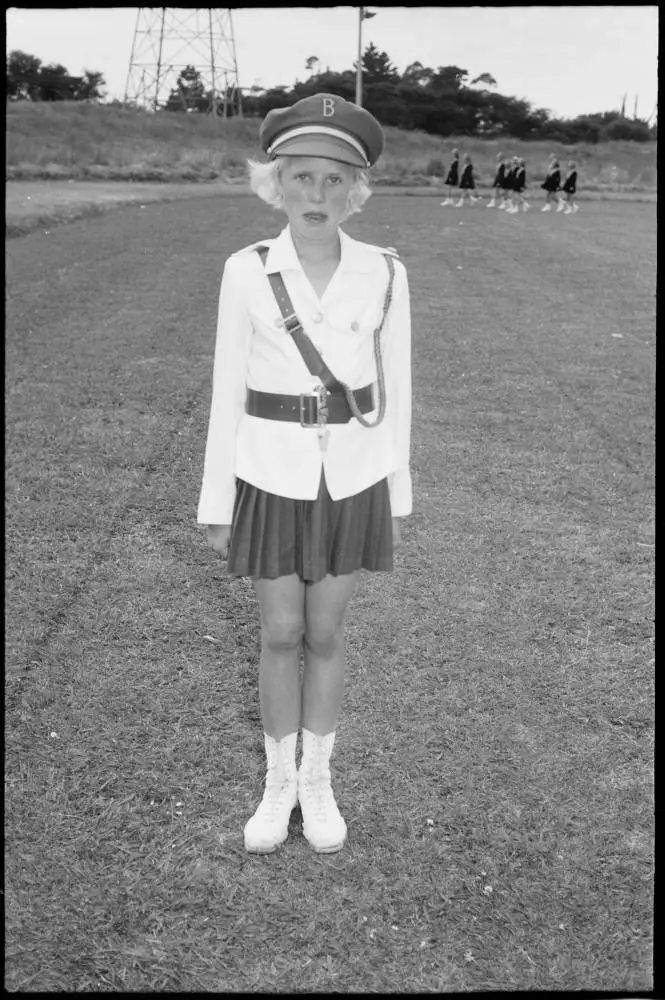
310, 354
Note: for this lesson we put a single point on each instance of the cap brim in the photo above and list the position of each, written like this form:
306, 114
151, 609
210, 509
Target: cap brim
328, 147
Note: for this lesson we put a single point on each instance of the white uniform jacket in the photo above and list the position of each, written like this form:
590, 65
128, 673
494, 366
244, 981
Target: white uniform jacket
253, 349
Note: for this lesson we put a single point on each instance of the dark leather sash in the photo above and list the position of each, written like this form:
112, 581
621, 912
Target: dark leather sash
310, 354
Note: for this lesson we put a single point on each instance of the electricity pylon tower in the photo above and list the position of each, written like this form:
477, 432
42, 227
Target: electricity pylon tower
168, 40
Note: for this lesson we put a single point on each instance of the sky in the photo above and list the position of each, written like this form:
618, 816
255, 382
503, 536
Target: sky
568, 60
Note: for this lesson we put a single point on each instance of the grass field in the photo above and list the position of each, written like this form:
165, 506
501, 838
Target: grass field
494, 756
98, 142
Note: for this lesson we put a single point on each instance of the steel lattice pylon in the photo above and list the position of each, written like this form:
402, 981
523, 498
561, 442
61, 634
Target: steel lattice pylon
167, 40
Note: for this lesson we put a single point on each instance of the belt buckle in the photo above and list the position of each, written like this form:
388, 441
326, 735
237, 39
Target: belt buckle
320, 395
303, 409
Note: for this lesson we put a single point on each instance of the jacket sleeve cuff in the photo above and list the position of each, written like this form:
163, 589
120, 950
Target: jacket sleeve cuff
216, 506
399, 487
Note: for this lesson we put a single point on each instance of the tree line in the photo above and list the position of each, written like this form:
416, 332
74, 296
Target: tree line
27, 78
445, 102
441, 101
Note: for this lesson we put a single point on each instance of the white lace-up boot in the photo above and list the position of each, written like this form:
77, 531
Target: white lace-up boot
322, 824
269, 826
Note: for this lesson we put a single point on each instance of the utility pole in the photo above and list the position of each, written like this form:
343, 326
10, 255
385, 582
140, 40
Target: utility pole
363, 14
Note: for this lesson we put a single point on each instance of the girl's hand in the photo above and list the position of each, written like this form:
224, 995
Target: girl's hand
218, 537
397, 534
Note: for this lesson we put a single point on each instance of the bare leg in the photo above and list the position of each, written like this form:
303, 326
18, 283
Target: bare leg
323, 682
282, 628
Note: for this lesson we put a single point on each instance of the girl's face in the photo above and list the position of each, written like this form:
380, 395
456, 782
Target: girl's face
316, 193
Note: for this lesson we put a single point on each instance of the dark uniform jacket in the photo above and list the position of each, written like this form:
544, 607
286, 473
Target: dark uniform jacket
453, 174
500, 176
467, 182
570, 183
553, 180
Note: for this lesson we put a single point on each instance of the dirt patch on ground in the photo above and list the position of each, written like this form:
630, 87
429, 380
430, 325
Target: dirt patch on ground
32, 204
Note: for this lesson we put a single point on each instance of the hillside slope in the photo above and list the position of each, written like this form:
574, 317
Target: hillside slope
76, 140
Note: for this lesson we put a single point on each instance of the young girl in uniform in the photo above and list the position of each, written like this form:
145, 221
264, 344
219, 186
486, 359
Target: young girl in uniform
452, 178
467, 183
551, 186
509, 184
570, 188
498, 184
307, 459
519, 186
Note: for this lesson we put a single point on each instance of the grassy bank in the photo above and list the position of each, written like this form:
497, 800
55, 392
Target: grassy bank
80, 141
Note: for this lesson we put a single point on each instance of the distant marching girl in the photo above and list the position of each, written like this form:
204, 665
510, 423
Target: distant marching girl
452, 178
519, 186
498, 184
467, 183
551, 186
511, 171
570, 187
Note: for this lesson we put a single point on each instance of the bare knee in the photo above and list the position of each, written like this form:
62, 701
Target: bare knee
282, 635
323, 638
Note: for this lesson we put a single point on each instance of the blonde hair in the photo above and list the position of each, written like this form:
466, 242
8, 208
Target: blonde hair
264, 181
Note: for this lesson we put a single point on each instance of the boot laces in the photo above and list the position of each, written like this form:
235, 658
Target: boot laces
319, 796
275, 796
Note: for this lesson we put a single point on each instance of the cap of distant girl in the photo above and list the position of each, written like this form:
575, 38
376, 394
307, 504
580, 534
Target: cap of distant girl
323, 125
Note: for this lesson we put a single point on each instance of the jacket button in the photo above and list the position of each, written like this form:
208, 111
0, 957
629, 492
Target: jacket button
279, 322
317, 317
355, 326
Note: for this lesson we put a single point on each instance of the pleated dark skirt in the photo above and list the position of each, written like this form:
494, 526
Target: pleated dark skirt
274, 536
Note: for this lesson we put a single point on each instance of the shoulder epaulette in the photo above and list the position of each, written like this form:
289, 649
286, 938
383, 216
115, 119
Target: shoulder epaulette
253, 246
389, 250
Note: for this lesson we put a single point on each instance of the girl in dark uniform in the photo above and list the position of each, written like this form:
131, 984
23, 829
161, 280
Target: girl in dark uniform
519, 186
452, 177
467, 183
569, 188
498, 184
511, 168
551, 186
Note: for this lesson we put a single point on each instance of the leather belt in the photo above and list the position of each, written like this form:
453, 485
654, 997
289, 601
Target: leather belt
304, 409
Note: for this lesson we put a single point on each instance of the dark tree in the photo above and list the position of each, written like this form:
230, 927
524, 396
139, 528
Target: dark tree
188, 91
377, 67
91, 87
27, 77
417, 75
448, 79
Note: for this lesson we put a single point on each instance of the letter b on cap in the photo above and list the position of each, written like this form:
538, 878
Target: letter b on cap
328, 107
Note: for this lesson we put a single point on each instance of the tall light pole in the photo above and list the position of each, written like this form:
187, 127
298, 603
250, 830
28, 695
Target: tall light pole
363, 14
